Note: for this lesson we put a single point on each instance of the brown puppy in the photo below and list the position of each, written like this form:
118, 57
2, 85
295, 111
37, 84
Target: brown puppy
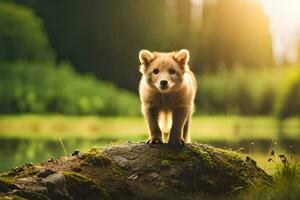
167, 92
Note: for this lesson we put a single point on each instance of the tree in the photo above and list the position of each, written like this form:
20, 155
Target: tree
235, 31
21, 34
104, 37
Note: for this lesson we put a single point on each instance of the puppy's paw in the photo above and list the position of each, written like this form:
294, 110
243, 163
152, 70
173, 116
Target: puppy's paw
154, 141
177, 142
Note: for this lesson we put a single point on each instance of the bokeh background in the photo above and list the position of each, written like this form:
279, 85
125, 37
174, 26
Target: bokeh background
69, 73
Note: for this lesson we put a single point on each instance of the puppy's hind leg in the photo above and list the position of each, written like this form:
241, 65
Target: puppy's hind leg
165, 122
186, 134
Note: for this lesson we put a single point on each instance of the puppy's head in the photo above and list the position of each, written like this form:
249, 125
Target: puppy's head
164, 71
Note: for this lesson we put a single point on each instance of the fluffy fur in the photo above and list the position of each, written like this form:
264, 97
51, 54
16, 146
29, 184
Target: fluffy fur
167, 92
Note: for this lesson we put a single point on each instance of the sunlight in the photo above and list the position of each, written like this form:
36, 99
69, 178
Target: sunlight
286, 10
284, 26
197, 2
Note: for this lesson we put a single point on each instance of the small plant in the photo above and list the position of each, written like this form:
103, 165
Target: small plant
251, 149
63, 146
286, 183
97, 158
165, 163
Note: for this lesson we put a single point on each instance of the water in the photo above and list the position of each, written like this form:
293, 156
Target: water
18, 151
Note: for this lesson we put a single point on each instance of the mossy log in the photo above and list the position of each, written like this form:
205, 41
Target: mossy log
136, 171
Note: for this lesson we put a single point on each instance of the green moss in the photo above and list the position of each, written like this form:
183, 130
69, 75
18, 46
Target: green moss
6, 184
97, 158
12, 197
80, 186
26, 170
74, 178
204, 155
116, 171
230, 154
15, 197
226, 164
165, 163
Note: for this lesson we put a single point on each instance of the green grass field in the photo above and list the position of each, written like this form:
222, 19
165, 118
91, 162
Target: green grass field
206, 128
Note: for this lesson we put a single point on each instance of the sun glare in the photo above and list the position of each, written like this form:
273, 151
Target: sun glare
284, 18
285, 10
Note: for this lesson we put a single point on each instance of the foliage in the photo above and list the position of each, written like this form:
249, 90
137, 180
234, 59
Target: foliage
230, 31
286, 184
45, 88
21, 34
247, 91
109, 50
288, 103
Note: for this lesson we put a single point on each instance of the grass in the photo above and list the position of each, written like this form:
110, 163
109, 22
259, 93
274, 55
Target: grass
41, 140
286, 184
203, 128
36, 137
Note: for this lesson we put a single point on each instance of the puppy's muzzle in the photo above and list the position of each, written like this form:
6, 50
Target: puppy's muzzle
164, 84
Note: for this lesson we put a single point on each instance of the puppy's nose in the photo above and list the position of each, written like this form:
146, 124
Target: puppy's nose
163, 83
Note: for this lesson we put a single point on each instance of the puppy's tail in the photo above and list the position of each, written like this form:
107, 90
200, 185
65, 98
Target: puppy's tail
165, 123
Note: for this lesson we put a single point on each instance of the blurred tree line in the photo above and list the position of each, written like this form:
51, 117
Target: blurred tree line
104, 37
229, 42
243, 91
43, 88
30, 81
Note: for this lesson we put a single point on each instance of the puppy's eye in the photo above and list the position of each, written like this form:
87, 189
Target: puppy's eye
172, 71
155, 71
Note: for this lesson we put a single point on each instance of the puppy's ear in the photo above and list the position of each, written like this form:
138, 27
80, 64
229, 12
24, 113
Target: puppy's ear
182, 57
145, 56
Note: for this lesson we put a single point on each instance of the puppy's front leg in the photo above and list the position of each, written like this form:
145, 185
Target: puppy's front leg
179, 118
151, 115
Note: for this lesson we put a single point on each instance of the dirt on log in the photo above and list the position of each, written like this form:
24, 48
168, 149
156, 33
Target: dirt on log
136, 171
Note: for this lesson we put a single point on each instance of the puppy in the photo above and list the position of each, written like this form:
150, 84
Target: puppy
167, 91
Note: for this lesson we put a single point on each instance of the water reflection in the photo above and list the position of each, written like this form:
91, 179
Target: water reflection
17, 151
